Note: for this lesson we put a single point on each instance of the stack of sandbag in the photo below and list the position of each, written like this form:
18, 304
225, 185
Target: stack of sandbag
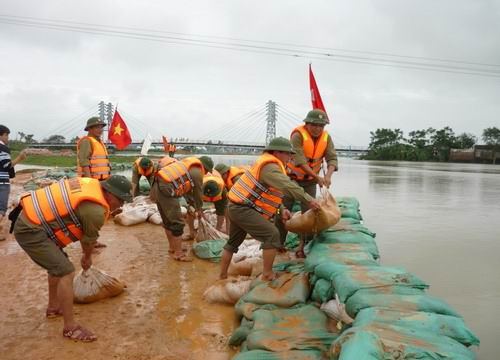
247, 267
315, 221
228, 291
93, 285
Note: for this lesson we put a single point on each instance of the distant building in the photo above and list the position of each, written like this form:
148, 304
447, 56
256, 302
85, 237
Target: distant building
478, 154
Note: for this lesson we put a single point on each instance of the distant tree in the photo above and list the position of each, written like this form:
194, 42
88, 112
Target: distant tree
21, 135
491, 136
420, 140
55, 139
74, 140
387, 144
465, 141
28, 139
442, 141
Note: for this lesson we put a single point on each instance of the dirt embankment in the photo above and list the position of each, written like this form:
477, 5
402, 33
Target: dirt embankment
160, 316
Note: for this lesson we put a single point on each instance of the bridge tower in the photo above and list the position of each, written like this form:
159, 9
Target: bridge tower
271, 121
102, 111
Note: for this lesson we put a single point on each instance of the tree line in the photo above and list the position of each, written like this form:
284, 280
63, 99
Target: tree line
424, 145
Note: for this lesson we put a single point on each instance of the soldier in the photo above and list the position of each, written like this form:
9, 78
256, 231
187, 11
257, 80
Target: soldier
230, 174
180, 178
54, 217
143, 166
214, 191
92, 155
312, 145
255, 203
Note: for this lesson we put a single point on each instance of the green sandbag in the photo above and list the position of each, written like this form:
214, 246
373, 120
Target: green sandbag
285, 355
302, 328
450, 326
383, 341
241, 332
290, 289
406, 299
346, 283
349, 237
344, 225
292, 241
345, 254
349, 207
209, 249
328, 270
322, 291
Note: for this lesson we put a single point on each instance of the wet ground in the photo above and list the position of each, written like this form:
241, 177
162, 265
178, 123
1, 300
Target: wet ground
161, 315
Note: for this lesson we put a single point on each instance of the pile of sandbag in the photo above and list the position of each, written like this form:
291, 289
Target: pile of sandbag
93, 285
315, 221
228, 291
142, 209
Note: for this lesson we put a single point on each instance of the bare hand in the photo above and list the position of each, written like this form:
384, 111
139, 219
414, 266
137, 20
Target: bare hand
321, 181
200, 214
314, 204
286, 215
86, 262
328, 182
23, 155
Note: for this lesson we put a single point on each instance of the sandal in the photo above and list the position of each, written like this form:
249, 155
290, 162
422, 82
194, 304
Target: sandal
274, 277
98, 245
300, 254
187, 237
53, 313
183, 258
79, 333
170, 251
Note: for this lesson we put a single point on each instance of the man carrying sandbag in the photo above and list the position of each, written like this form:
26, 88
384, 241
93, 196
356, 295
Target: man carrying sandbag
180, 178
54, 217
143, 166
230, 174
256, 201
214, 191
311, 144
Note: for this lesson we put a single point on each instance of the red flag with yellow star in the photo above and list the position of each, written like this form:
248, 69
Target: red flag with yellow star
118, 132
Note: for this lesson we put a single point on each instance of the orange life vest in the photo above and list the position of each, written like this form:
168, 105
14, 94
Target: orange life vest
172, 148
166, 160
234, 172
100, 167
314, 151
215, 176
141, 171
177, 174
250, 191
57, 202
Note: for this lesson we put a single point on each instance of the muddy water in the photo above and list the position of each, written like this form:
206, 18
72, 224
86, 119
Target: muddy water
440, 221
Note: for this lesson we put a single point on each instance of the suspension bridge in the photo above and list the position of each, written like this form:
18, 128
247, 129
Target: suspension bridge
248, 133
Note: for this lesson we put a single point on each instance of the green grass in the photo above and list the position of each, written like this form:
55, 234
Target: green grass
66, 161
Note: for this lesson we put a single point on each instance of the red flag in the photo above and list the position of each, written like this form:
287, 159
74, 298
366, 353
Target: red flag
118, 132
316, 101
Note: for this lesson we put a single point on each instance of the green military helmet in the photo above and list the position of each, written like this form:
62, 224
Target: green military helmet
207, 162
221, 168
316, 116
145, 163
94, 121
119, 186
211, 188
280, 144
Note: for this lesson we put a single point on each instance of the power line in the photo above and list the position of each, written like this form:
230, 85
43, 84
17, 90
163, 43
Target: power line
300, 51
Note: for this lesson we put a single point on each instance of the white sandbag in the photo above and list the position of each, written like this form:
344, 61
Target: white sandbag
155, 219
246, 267
206, 231
132, 216
227, 291
315, 221
94, 284
140, 200
336, 310
248, 249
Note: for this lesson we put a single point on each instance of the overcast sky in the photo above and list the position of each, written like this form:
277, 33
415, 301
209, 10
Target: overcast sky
51, 81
